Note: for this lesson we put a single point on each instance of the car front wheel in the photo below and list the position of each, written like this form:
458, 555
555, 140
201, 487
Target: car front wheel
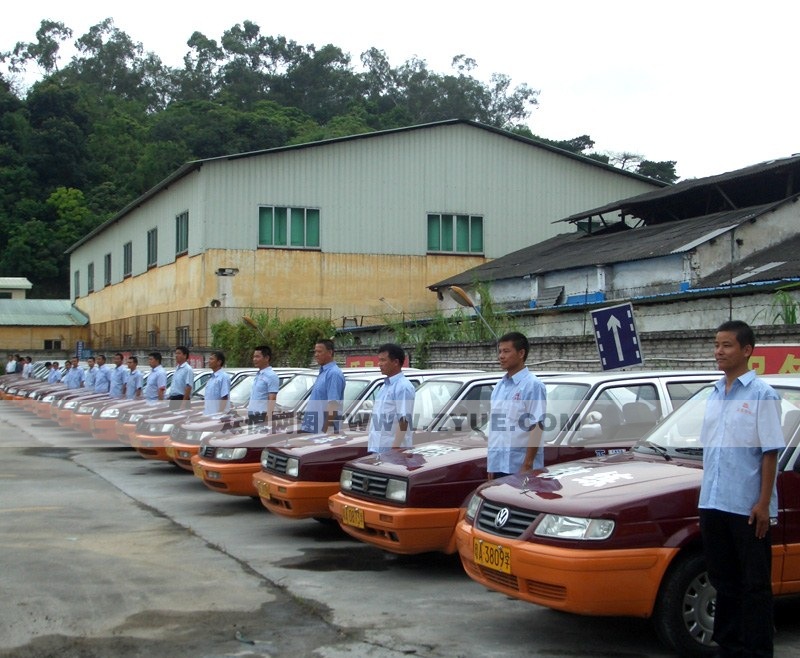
684, 613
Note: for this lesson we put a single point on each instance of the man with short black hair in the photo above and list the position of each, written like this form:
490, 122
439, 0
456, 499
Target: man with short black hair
102, 382
119, 377
393, 413
218, 386
519, 403
324, 407
265, 388
133, 387
157, 379
741, 437
182, 378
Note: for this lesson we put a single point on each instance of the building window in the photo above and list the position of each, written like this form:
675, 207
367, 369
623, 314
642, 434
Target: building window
127, 340
107, 270
182, 336
76, 284
90, 278
460, 234
127, 259
152, 338
152, 247
182, 233
288, 227
52, 344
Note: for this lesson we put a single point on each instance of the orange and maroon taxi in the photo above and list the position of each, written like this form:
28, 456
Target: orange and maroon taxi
410, 501
619, 535
297, 479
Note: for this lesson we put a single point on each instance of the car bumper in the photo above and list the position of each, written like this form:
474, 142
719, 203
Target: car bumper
397, 529
181, 454
294, 499
622, 582
150, 446
233, 479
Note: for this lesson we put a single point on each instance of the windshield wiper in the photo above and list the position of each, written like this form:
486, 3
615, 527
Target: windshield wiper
661, 450
690, 451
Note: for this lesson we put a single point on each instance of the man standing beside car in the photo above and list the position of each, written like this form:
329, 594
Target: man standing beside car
218, 387
393, 413
741, 437
156, 380
102, 382
519, 403
182, 378
91, 373
265, 388
119, 377
324, 406
133, 387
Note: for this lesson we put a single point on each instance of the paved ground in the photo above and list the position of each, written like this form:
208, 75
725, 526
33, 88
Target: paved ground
103, 553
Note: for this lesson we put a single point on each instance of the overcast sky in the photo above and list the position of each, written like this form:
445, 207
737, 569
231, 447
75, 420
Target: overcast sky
704, 82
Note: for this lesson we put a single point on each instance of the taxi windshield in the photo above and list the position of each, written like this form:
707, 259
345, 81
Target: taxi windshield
679, 432
430, 400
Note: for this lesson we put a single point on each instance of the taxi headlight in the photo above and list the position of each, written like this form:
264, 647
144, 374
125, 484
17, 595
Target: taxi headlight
346, 479
135, 418
230, 454
396, 490
264, 458
472, 507
113, 412
292, 466
574, 527
161, 428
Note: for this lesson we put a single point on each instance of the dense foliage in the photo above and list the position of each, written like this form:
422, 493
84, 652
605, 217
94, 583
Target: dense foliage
90, 136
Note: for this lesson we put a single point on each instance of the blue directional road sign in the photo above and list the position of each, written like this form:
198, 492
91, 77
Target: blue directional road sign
615, 333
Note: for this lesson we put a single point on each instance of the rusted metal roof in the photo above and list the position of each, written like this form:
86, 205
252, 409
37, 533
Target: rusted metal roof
757, 184
617, 244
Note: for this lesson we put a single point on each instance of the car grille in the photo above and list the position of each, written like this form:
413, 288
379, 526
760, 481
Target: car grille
518, 520
276, 462
180, 434
369, 485
208, 451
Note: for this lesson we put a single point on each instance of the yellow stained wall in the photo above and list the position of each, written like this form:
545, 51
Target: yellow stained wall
348, 284
21, 339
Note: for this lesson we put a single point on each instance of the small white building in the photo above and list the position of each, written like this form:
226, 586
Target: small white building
14, 287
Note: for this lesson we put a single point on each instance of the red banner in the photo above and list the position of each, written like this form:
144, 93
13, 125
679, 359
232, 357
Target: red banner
776, 359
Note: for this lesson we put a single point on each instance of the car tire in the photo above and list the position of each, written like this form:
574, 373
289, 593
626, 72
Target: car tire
684, 612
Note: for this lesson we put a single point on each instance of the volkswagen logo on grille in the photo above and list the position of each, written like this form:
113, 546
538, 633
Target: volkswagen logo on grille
502, 518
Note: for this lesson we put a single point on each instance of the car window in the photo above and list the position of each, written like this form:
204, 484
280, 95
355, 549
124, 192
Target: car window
622, 413
472, 411
295, 390
679, 392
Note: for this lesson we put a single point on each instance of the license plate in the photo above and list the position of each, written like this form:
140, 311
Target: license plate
263, 489
170, 452
198, 470
491, 556
353, 516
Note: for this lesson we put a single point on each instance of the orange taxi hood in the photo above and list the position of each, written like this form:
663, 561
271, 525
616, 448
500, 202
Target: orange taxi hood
605, 486
242, 437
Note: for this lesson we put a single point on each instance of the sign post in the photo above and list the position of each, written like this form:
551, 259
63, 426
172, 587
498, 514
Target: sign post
615, 334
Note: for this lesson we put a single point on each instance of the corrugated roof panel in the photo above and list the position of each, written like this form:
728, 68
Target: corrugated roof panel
40, 313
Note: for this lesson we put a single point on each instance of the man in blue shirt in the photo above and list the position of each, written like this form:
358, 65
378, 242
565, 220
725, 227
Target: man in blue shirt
218, 386
157, 379
392, 415
74, 376
54, 376
265, 388
119, 377
102, 381
519, 403
91, 373
133, 388
324, 407
182, 378
741, 437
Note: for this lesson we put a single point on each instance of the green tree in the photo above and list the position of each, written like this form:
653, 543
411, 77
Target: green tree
44, 51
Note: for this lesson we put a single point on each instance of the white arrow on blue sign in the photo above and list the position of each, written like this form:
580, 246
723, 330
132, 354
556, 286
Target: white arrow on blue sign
615, 333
